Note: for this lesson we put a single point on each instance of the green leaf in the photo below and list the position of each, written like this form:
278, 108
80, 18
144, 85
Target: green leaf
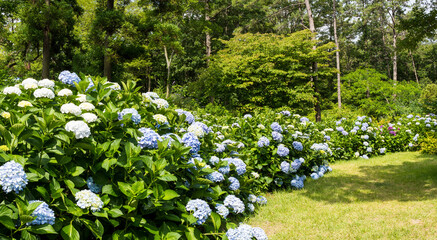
126, 189
77, 170
115, 213
168, 178
5, 217
17, 128
109, 190
170, 194
25, 235
70, 233
42, 229
216, 221
172, 236
108, 162
138, 187
96, 230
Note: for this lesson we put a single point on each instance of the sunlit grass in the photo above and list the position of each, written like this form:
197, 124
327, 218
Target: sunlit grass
389, 197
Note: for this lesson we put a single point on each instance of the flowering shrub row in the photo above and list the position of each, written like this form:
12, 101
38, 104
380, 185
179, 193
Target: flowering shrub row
91, 159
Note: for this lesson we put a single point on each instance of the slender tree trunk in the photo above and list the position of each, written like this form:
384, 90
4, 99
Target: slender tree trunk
414, 67
107, 64
395, 57
168, 61
46, 48
314, 79
337, 56
208, 36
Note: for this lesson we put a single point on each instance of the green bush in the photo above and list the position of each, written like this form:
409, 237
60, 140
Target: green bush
428, 98
429, 144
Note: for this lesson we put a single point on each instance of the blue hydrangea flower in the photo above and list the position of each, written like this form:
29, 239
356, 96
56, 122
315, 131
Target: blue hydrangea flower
136, 118
365, 156
225, 170
340, 129
416, 137
285, 167
251, 207
214, 160
263, 142
68, 77
297, 145
189, 118
222, 210
295, 165
235, 125
259, 234
240, 166
243, 232
235, 184
220, 148
200, 208
327, 138
366, 137
286, 113
43, 214
234, 203
282, 150
95, 188
170, 139
346, 133
304, 119
247, 116
369, 149
276, 127
261, 200
297, 182
314, 176
149, 139
190, 140
215, 177
277, 136
12, 177
382, 150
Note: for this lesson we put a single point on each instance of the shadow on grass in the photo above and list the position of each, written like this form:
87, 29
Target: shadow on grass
411, 181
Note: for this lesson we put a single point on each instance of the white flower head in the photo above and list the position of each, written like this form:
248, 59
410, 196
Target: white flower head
81, 98
44, 93
79, 128
89, 117
65, 92
71, 108
86, 106
46, 83
12, 90
24, 104
88, 199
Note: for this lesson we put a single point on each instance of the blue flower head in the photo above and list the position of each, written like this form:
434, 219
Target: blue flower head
234, 203
276, 127
95, 188
222, 210
189, 118
68, 77
12, 177
240, 166
261, 200
190, 140
297, 145
200, 208
235, 184
215, 177
259, 234
43, 214
263, 142
277, 136
295, 165
285, 167
282, 150
297, 182
149, 139
136, 118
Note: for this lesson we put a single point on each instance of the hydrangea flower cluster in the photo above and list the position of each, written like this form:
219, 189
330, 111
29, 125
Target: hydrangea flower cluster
222, 210
43, 214
86, 106
149, 139
190, 140
151, 95
24, 104
277, 136
88, 199
263, 142
261, 200
297, 145
46, 83
252, 198
79, 128
200, 208
89, 117
65, 92
214, 160
297, 182
285, 167
160, 119
215, 177
282, 150
5, 115
136, 118
189, 118
29, 83
71, 108
295, 165
286, 113
11, 90
246, 232
68, 77
240, 166
44, 93
276, 127
382, 150
234, 203
95, 188
12, 177
160, 103
235, 184
320, 171
247, 116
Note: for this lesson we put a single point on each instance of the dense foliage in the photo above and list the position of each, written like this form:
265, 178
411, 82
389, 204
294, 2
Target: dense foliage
91, 159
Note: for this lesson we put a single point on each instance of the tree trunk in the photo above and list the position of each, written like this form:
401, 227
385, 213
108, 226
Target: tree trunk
107, 65
168, 61
46, 48
314, 79
208, 36
414, 67
395, 58
337, 56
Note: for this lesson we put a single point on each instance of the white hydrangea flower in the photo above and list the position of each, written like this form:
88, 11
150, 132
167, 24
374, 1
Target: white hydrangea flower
44, 93
24, 104
150, 95
81, 98
12, 90
46, 83
30, 86
160, 103
29, 81
65, 92
71, 108
79, 128
161, 119
260, 126
89, 117
196, 130
88, 199
114, 86
87, 106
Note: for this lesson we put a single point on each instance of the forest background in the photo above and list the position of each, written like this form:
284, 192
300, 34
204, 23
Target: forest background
322, 58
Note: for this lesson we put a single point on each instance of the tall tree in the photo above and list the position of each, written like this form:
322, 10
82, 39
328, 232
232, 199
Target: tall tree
337, 54
46, 46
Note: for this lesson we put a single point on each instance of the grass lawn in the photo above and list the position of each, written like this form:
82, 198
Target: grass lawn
388, 197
